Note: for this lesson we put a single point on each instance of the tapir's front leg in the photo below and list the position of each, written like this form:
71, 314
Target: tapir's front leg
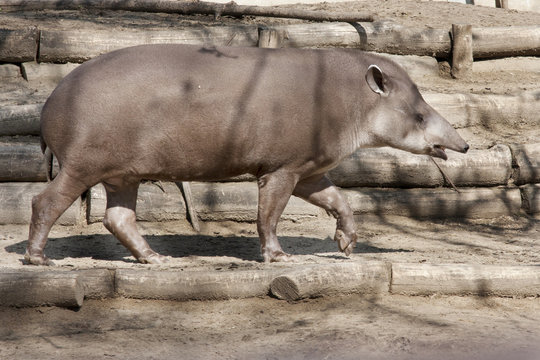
321, 192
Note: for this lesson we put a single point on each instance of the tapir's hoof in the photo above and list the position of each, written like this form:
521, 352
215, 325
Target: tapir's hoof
280, 257
37, 260
155, 259
345, 243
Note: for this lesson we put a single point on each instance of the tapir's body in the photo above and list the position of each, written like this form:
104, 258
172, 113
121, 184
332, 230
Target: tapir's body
177, 112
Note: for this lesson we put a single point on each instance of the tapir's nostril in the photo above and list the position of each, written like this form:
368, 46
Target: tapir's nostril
466, 148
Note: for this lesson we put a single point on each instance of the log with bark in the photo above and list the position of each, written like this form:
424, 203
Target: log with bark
185, 8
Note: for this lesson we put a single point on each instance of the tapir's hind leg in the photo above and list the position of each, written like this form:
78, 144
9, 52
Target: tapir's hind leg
321, 192
120, 220
274, 193
46, 209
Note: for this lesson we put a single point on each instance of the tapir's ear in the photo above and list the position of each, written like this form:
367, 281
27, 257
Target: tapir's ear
377, 80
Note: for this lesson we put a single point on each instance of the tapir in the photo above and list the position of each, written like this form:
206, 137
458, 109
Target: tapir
193, 113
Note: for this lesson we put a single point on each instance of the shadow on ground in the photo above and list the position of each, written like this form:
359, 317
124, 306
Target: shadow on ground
106, 247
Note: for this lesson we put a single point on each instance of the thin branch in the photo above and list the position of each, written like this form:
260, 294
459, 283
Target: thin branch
445, 175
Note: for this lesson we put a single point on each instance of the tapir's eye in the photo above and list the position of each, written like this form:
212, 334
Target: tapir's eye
420, 118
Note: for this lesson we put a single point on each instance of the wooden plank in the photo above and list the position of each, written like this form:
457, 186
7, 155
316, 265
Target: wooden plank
387, 167
331, 279
9, 71
21, 159
238, 202
382, 36
271, 38
462, 51
97, 283
520, 64
155, 202
494, 42
464, 110
483, 203
18, 45
36, 288
417, 67
20, 119
44, 72
16, 200
81, 45
192, 285
463, 279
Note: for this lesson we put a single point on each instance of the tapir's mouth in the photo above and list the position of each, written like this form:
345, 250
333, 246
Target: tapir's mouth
438, 151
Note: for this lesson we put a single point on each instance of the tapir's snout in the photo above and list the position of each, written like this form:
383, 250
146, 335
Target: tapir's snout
441, 135
439, 150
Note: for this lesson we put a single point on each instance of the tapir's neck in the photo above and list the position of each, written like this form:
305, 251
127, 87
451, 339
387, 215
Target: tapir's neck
357, 135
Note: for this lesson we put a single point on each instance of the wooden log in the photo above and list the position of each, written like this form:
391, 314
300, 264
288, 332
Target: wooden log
384, 36
464, 110
387, 167
20, 119
519, 64
18, 45
81, 45
185, 7
21, 159
483, 203
530, 194
46, 73
519, 41
16, 200
527, 160
462, 51
162, 202
238, 202
463, 279
9, 71
501, 4
192, 285
97, 283
35, 288
271, 38
417, 67
330, 279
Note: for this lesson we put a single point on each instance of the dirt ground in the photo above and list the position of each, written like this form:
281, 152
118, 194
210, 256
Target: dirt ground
231, 245
344, 327
339, 327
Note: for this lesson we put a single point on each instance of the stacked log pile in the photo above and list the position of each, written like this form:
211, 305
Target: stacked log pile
501, 180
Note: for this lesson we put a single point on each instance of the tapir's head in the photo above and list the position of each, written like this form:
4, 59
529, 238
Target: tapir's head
402, 119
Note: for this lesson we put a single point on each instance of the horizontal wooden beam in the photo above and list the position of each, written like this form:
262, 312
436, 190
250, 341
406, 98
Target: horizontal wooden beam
16, 200
186, 8
20, 119
19, 45
82, 45
21, 159
387, 167
31, 288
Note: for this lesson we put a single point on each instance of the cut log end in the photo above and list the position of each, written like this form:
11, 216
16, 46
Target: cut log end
284, 288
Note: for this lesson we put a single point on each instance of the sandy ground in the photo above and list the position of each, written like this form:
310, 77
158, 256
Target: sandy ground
340, 327
345, 327
503, 241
